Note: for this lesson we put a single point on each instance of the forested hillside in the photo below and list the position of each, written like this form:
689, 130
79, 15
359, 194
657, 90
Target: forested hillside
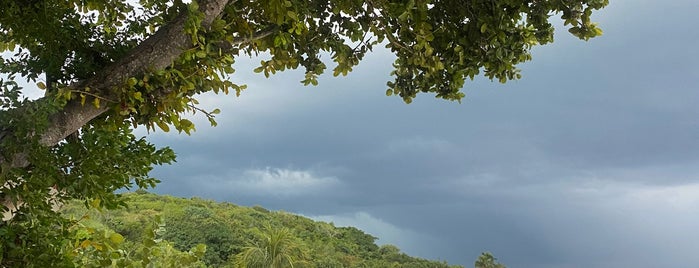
154, 228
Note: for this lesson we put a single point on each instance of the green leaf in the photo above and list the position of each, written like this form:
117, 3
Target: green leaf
85, 244
131, 82
137, 96
163, 126
116, 238
292, 15
186, 126
278, 40
95, 203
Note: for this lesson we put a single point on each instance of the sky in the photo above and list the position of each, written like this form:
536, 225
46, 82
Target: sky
590, 160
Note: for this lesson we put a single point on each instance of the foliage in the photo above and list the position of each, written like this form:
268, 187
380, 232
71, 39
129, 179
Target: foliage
254, 237
218, 237
101, 247
275, 248
109, 66
19, 247
486, 260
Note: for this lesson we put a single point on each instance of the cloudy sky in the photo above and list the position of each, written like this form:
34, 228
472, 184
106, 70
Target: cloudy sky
590, 160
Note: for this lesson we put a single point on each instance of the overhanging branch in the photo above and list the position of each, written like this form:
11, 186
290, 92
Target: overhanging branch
156, 52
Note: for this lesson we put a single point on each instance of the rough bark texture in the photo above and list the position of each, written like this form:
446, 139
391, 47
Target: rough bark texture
156, 52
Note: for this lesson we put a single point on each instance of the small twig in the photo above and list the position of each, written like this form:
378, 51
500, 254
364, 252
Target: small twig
255, 36
393, 40
389, 35
227, 46
364, 41
209, 115
94, 95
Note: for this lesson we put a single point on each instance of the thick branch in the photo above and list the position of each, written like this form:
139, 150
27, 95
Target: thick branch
156, 52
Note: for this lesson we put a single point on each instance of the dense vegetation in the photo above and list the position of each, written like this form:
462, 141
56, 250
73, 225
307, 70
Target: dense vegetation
234, 236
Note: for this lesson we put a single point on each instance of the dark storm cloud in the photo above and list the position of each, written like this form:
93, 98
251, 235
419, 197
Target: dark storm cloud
591, 160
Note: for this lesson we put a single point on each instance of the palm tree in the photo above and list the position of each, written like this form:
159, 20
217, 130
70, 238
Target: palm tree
278, 248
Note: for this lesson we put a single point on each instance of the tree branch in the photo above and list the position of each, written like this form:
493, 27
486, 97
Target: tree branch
156, 52
227, 47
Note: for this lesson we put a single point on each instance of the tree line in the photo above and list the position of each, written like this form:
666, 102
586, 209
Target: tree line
165, 231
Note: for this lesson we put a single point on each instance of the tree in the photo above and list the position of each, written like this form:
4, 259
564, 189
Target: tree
110, 66
486, 260
277, 248
185, 231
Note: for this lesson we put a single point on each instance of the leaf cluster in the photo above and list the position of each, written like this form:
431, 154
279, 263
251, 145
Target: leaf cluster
101, 247
438, 45
90, 166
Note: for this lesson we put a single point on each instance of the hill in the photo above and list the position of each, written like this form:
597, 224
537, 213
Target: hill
203, 233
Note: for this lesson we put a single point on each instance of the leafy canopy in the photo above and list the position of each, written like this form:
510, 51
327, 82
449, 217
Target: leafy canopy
109, 66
